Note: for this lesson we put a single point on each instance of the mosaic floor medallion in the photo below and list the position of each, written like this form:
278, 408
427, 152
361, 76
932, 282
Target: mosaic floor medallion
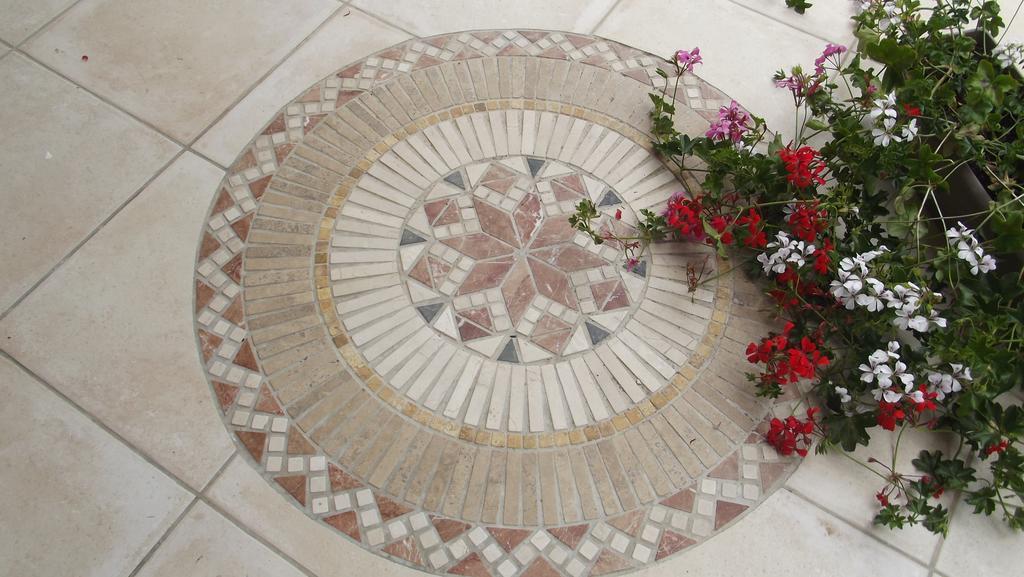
409, 341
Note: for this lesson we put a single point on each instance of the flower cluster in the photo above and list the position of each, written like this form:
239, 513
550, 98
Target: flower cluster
687, 59
883, 114
755, 237
733, 122
943, 384
792, 435
827, 56
807, 221
850, 287
885, 368
789, 251
969, 249
786, 362
1010, 54
683, 215
803, 166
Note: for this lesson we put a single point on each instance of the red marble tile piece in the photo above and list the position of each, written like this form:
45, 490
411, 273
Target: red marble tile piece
310, 124
496, 223
241, 226
450, 215
245, 358
247, 161
225, 393
628, 523
597, 60
390, 509
298, 444
392, 54
340, 480
346, 95
294, 485
569, 258
553, 342
485, 275
276, 125
224, 202
434, 210
438, 269
548, 323
541, 568
571, 535
438, 41
346, 523
421, 272
466, 54
553, 231
479, 246
568, 187
512, 50
471, 566
527, 217
509, 539
601, 291
406, 549
727, 469
352, 71
281, 151
639, 74
253, 442
480, 316
487, 37
204, 294
518, 291
266, 403
579, 41
313, 95
208, 246
208, 343
554, 52
234, 312
259, 186
683, 500
468, 331
609, 562
726, 511
449, 529
618, 299
553, 283
532, 35
233, 268
426, 61
770, 473
672, 542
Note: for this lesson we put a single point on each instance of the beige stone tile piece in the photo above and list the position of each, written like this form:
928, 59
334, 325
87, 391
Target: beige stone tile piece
786, 535
112, 327
177, 65
828, 20
206, 544
342, 40
979, 545
736, 63
22, 18
69, 160
76, 501
246, 496
842, 486
430, 17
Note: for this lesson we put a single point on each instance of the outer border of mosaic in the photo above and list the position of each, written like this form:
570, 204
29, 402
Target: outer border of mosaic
609, 544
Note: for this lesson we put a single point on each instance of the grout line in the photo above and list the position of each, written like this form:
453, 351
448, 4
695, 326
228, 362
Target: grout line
855, 526
777, 20
245, 93
152, 550
47, 24
593, 31
93, 233
391, 24
197, 495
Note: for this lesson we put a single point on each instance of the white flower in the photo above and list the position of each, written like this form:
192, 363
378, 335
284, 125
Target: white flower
884, 136
987, 264
789, 251
879, 371
969, 249
943, 384
959, 231
847, 288
1009, 55
909, 131
872, 300
844, 395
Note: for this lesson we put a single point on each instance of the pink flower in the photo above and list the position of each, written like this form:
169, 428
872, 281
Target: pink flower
733, 122
830, 51
631, 264
687, 59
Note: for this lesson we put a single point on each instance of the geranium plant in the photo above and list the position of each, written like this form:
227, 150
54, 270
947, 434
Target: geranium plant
899, 315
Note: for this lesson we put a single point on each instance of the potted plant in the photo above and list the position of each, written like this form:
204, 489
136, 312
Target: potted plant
896, 310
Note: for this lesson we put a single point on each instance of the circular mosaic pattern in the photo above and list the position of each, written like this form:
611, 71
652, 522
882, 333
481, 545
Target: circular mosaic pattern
407, 338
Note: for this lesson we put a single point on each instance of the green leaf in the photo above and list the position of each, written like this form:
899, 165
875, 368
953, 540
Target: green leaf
849, 431
894, 55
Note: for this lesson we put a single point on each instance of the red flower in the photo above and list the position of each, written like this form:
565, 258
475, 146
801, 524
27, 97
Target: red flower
882, 498
803, 165
889, 415
807, 221
684, 216
822, 260
997, 448
755, 235
911, 110
927, 402
792, 435
618, 214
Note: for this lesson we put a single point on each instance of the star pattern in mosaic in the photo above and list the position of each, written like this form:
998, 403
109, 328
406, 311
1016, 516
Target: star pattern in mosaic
491, 261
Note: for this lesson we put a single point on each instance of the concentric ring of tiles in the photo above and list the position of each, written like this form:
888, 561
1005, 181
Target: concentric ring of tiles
373, 252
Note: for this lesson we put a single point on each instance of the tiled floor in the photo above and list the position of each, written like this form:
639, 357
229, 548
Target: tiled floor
124, 167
